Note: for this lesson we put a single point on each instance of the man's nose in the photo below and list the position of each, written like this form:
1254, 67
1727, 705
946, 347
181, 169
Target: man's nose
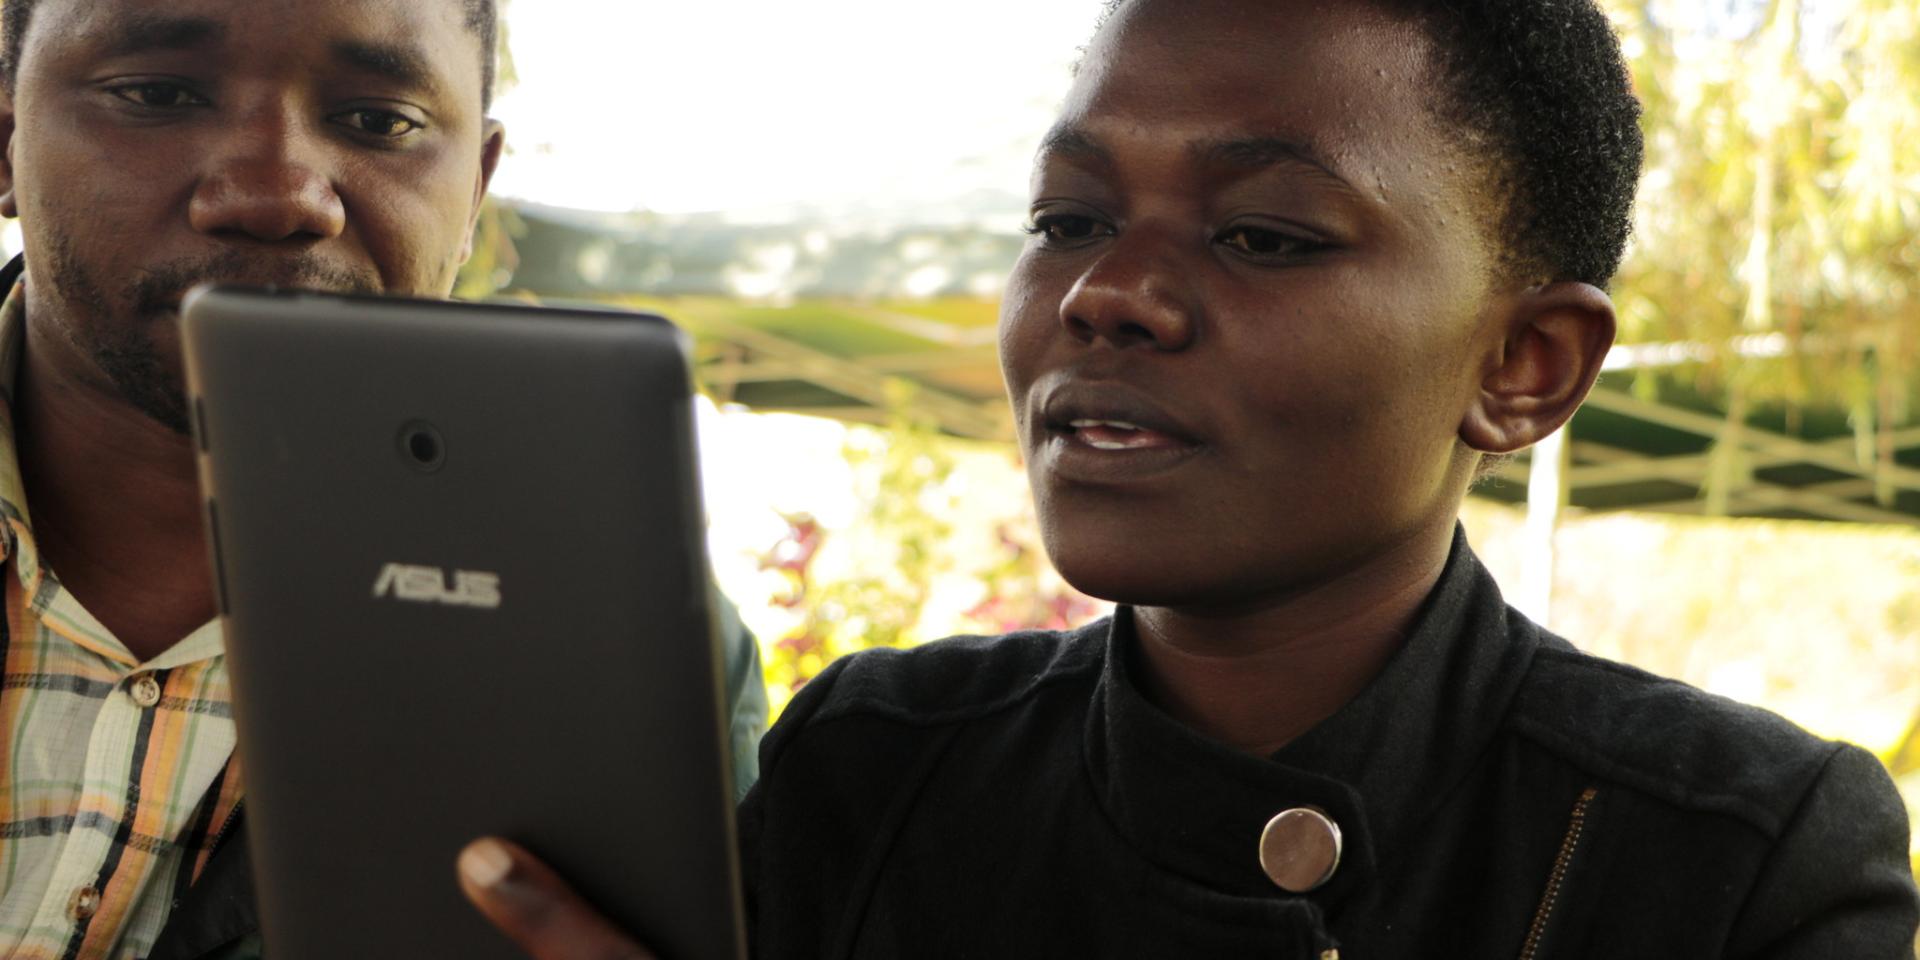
1136, 294
268, 184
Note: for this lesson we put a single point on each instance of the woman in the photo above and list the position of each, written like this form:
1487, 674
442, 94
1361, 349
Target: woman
1297, 270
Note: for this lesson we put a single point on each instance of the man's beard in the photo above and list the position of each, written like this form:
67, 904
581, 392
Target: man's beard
117, 334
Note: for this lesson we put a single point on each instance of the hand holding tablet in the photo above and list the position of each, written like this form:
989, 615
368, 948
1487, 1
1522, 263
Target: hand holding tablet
536, 908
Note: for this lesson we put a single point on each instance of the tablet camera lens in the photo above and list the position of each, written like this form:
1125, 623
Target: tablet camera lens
421, 445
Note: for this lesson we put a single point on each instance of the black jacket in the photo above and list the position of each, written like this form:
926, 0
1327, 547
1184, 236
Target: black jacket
1499, 793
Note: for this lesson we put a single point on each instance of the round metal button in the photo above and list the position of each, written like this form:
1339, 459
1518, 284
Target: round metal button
1300, 849
145, 690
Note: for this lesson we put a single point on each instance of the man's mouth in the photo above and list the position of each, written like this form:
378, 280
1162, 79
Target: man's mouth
161, 288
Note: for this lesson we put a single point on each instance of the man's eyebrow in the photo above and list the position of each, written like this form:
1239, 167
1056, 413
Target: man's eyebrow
402, 63
1261, 152
1076, 143
141, 32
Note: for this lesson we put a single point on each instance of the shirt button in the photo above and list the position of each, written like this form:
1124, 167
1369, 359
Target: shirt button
1300, 849
145, 690
84, 903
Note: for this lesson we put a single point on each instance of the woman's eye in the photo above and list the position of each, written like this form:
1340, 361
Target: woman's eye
1260, 242
1065, 229
379, 123
158, 94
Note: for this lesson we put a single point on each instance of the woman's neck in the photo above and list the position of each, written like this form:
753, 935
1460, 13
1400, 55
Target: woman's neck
1260, 676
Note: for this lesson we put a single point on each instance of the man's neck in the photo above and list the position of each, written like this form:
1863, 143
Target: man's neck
1256, 680
113, 499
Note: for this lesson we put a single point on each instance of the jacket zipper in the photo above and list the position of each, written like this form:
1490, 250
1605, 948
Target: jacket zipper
225, 825
1548, 900
219, 837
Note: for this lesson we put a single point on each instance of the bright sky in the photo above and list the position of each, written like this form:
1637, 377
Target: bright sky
756, 107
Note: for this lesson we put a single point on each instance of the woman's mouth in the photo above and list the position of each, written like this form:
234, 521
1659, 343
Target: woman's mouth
1119, 435
1111, 452
1108, 433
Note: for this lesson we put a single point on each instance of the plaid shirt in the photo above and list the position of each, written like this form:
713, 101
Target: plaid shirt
115, 775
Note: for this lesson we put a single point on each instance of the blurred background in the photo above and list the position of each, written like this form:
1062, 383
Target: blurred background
828, 195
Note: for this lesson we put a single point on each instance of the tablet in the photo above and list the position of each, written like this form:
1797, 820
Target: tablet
459, 553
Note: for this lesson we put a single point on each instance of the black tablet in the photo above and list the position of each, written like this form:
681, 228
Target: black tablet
460, 559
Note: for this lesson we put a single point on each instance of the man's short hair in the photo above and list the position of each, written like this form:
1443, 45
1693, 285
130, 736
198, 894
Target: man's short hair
482, 17
1539, 91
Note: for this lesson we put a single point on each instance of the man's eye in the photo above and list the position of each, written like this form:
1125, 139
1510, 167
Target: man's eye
1066, 229
379, 123
1260, 242
158, 94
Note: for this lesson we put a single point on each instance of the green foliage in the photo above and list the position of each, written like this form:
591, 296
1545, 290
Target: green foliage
904, 500
1782, 198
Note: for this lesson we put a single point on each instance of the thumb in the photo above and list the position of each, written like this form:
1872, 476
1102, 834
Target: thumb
536, 909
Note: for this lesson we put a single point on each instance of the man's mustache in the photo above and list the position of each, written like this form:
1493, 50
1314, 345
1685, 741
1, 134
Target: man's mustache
161, 287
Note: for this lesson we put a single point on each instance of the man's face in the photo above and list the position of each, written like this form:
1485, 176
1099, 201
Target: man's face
1241, 345
157, 144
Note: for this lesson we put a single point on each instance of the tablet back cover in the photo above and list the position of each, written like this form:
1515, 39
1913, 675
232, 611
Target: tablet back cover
461, 559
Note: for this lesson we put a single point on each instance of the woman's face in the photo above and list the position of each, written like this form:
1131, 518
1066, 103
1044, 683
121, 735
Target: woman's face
1243, 338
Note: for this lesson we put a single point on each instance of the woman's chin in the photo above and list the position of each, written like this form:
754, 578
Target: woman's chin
1129, 580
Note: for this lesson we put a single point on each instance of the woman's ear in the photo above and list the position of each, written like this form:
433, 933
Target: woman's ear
1556, 338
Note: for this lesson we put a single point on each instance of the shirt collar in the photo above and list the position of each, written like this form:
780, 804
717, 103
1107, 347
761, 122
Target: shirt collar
1378, 767
16, 539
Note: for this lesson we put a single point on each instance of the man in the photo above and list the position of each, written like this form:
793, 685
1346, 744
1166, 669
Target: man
1297, 269
152, 145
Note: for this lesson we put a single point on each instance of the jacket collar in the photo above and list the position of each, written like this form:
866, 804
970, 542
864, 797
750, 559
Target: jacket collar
1378, 767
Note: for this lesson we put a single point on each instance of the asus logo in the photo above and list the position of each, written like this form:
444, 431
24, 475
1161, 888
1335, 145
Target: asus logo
466, 588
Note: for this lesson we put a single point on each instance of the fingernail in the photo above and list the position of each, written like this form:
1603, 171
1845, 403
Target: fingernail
485, 863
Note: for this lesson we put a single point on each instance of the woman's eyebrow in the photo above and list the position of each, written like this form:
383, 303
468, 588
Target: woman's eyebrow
1259, 153
1247, 154
1074, 143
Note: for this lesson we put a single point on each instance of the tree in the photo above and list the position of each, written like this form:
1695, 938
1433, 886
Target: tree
1782, 199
